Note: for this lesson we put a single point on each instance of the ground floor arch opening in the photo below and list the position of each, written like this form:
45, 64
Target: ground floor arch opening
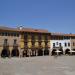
46, 52
73, 52
61, 52
53, 52
25, 53
67, 51
15, 53
40, 52
5, 53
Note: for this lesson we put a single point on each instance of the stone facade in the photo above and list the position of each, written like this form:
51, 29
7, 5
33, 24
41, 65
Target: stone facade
23, 42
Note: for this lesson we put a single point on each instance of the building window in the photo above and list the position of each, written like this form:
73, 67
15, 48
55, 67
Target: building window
14, 34
53, 44
65, 44
6, 34
15, 41
17, 35
32, 37
39, 36
5, 41
60, 44
33, 43
2, 34
56, 43
68, 44
73, 44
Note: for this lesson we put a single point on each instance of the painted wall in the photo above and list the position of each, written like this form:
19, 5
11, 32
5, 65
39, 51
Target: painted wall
62, 44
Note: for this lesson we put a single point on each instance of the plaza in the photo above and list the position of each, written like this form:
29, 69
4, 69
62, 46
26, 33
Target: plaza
40, 65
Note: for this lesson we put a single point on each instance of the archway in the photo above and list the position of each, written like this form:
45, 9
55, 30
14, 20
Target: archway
67, 51
15, 53
25, 53
53, 52
40, 52
73, 53
46, 52
61, 51
5, 53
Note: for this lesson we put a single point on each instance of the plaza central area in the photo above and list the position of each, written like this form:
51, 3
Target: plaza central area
42, 65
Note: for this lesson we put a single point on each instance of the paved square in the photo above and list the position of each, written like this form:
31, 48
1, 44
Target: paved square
42, 65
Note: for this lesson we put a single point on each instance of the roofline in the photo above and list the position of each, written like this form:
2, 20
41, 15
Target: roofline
18, 30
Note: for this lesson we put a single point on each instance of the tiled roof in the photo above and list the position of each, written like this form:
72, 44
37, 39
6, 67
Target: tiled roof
24, 29
69, 34
34, 30
60, 34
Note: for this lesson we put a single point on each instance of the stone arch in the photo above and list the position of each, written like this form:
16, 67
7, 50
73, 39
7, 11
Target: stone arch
5, 53
73, 49
67, 51
40, 52
46, 52
73, 53
53, 52
15, 53
61, 51
24, 53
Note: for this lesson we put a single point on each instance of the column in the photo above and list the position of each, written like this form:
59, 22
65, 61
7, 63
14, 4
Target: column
29, 52
64, 52
43, 52
49, 51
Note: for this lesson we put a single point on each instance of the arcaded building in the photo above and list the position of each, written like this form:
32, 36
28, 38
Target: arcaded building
63, 43
24, 42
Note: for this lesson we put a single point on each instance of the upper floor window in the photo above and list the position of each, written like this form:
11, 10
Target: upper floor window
9, 34
60, 44
68, 44
5, 33
5, 41
39, 36
53, 44
15, 41
56, 43
33, 43
65, 44
17, 35
2, 34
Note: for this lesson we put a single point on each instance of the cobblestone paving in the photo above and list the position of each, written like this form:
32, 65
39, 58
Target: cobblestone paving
43, 65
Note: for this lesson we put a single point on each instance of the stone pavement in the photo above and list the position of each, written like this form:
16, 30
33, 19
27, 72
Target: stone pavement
41, 65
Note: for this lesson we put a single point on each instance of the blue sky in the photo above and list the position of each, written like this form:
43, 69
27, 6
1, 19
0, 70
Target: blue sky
53, 15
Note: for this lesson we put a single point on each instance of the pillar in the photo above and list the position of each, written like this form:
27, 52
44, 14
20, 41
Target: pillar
43, 52
49, 51
29, 52
64, 52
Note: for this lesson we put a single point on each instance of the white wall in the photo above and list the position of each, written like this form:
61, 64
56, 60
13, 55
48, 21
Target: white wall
62, 44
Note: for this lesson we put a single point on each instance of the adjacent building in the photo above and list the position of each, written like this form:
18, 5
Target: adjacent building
63, 43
